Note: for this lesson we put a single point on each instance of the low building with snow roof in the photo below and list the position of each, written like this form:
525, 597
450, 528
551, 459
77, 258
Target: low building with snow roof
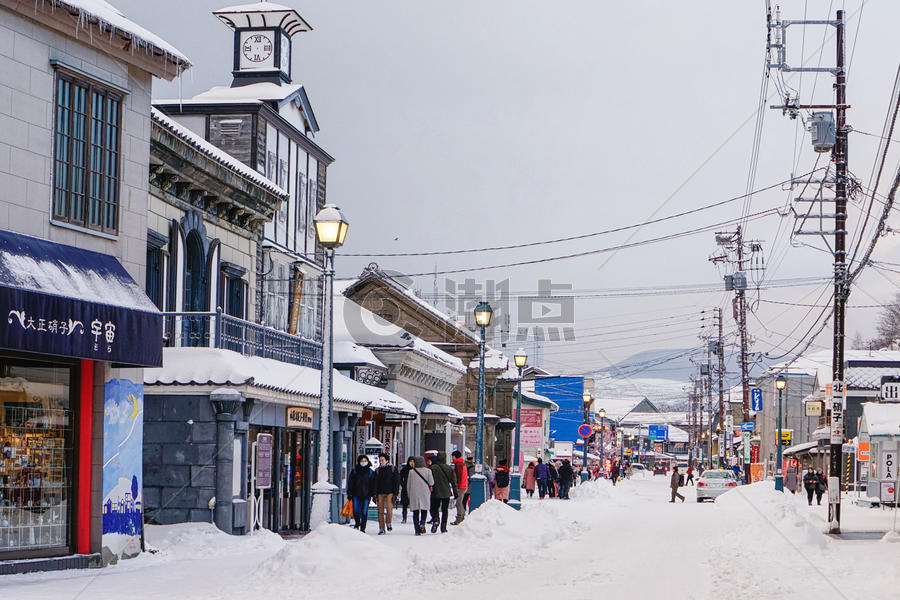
75, 78
880, 428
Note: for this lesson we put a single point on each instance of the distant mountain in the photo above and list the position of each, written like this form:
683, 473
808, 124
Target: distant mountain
674, 364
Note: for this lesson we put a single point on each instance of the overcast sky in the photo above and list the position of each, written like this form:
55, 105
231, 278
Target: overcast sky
471, 124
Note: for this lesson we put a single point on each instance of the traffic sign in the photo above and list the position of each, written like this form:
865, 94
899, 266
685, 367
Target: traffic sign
658, 432
756, 400
747, 426
585, 430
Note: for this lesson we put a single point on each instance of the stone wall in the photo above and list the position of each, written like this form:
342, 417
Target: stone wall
179, 459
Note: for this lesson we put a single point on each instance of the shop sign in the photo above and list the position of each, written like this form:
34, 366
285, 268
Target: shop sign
746, 436
531, 417
299, 417
387, 437
837, 412
888, 466
813, 408
786, 436
754, 454
862, 452
264, 443
888, 491
533, 437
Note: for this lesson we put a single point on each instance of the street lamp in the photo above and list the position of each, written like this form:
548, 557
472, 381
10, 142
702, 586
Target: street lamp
515, 496
331, 230
478, 482
586, 398
780, 384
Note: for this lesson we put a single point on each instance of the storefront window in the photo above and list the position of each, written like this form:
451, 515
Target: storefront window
36, 423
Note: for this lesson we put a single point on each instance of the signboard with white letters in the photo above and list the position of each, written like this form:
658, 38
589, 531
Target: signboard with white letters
837, 412
887, 468
888, 491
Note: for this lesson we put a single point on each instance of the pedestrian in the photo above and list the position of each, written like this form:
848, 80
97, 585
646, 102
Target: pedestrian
553, 483
542, 476
462, 486
566, 474
443, 489
614, 472
360, 490
674, 483
736, 470
501, 482
821, 485
387, 486
790, 479
690, 476
404, 485
529, 480
809, 484
418, 488
470, 470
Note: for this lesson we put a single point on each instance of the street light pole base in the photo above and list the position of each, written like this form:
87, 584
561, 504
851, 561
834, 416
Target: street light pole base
478, 491
515, 491
779, 483
321, 509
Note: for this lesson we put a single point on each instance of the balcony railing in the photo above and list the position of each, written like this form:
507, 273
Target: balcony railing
218, 330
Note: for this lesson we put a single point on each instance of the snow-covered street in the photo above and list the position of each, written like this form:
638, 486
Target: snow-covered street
752, 543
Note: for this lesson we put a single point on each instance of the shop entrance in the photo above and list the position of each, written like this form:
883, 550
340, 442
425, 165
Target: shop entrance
285, 507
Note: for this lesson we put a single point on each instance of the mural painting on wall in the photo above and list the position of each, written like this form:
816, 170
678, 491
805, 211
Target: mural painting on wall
123, 433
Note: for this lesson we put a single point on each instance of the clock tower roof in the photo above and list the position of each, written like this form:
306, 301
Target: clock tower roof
263, 14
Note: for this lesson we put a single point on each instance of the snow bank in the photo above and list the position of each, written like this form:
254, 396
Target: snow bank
593, 490
203, 540
758, 503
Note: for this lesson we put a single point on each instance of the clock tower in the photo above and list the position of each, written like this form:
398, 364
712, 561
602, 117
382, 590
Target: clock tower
262, 41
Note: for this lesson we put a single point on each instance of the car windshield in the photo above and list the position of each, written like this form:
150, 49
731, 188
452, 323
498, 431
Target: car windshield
718, 475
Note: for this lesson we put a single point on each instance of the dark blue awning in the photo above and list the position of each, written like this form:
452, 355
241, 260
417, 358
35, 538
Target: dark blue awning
65, 301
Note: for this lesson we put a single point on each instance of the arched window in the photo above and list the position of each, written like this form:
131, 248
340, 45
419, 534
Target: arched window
195, 276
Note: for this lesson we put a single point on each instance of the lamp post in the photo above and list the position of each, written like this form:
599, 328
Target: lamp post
586, 398
780, 384
602, 414
478, 482
515, 495
331, 230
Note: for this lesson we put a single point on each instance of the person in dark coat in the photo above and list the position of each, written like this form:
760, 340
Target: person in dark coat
690, 477
566, 475
542, 476
444, 488
387, 486
809, 484
360, 490
404, 490
614, 472
821, 485
675, 483
553, 484
502, 482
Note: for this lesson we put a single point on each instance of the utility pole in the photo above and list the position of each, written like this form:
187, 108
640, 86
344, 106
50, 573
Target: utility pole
742, 327
720, 350
829, 134
840, 277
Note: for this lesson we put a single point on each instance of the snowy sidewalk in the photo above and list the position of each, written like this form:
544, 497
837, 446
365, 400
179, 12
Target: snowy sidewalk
752, 543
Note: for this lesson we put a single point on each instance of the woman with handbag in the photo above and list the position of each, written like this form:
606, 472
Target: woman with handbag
419, 482
360, 490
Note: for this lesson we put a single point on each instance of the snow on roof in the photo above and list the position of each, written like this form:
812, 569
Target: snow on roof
265, 91
539, 399
616, 408
348, 353
111, 18
215, 153
435, 408
211, 366
797, 448
881, 419
493, 360
678, 435
819, 363
356, 324
255, 15
661, 418
868, 377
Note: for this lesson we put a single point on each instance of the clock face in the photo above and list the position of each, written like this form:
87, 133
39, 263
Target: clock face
257, 48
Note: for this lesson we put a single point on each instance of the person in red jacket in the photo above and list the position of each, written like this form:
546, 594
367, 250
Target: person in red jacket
462, 483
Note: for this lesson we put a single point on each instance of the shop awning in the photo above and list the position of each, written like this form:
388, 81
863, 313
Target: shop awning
65, 301
436, 410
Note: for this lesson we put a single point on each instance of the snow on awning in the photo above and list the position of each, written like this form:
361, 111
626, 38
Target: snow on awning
215, 367
263, 14
798, 448
66, 301
433, 409
348, 353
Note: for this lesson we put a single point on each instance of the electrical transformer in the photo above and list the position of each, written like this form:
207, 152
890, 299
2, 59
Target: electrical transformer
823, 131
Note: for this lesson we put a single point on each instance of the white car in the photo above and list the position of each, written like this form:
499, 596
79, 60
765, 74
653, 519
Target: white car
715, 482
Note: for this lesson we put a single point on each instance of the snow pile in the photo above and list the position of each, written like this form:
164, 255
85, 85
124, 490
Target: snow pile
753, 505
192, 540
508, 531
592, 490
327, 555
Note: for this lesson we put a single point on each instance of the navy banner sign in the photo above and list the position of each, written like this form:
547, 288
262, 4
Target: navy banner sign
48, 324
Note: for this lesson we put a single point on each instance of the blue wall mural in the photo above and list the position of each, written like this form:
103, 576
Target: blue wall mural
123, 433
566, 392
